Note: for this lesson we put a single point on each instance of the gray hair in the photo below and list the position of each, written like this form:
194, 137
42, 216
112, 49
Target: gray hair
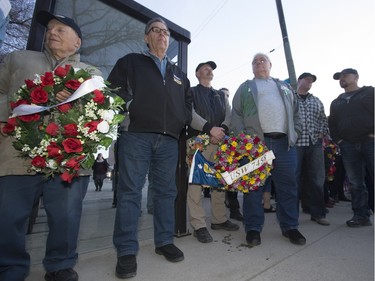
151, 21
263, 55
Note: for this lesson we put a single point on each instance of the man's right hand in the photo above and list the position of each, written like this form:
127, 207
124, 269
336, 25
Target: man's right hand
217, 133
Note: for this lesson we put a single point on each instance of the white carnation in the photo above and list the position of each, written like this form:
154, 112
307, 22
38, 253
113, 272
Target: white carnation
108, 115
103, 127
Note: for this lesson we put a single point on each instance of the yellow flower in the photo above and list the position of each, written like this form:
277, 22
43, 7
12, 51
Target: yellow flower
230, 159
234, 143
262, 176
252, 181
223, 147
249, 146
260, 149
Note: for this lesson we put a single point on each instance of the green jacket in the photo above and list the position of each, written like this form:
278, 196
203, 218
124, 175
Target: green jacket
14, 70
245, 116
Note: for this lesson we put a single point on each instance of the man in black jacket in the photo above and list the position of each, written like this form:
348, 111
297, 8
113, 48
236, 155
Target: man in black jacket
211, 115
159, 106
351, 123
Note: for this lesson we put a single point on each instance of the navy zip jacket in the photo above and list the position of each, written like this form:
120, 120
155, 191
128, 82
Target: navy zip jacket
155, 105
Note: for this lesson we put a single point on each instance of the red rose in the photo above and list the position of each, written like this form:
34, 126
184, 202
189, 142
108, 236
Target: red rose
70, 130
72, 145
29, 117
64, 108
52, 129
13, 105
99, 97
53, 150
256, 140
62, 71
30, 84
67, 177
47, 79
9, 127
38, 95
74, 163
92, 125
39, 162
73, 84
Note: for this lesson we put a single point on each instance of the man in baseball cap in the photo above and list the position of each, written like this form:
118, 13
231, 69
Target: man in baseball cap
210, 63
337, 75
45, 17
307, 74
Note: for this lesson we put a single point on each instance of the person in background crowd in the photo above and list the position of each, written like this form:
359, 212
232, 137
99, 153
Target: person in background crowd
310, 156
267, 107
351, 123
100, 169
20, 187
211, 115
156, 92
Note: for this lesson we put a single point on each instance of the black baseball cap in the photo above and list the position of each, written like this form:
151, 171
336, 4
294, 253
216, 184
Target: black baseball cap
307, 74
44, 17
211, 63
336, 76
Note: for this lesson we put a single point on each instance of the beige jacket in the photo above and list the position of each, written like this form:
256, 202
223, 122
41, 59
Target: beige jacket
14, 70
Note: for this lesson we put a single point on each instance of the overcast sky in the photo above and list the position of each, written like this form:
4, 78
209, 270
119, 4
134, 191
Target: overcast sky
325, 36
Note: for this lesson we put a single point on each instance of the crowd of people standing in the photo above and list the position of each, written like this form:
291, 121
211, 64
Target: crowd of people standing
160, 103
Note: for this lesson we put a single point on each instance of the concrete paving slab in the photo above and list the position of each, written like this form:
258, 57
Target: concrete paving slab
332, 253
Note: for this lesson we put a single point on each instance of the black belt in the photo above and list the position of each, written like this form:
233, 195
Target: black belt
274, 135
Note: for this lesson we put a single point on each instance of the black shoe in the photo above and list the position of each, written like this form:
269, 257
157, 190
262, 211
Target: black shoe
67, 274
271, 209
228, 225
170, 252
295, 237
253, 238
126, 267
236, 216
203, 235
357, 222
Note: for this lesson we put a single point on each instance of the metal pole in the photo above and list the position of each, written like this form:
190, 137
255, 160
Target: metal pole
287, 50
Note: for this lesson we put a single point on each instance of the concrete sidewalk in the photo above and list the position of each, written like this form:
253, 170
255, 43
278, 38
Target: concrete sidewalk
332, 253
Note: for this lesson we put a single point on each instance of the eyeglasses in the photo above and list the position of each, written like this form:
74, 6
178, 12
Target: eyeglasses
165, 32
260, 61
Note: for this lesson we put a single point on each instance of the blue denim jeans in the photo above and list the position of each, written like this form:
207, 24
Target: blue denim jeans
286, 190
310, 178
63, 205
137, 153
357, 158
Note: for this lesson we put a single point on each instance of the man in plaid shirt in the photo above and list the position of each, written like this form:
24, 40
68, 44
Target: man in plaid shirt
310, 169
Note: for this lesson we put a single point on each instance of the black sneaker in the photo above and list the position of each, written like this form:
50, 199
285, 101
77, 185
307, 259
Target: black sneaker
295, 237
236, 216
228, 225
170, 252
67, 274
357, 222
203, 235
126, 267
253, 238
